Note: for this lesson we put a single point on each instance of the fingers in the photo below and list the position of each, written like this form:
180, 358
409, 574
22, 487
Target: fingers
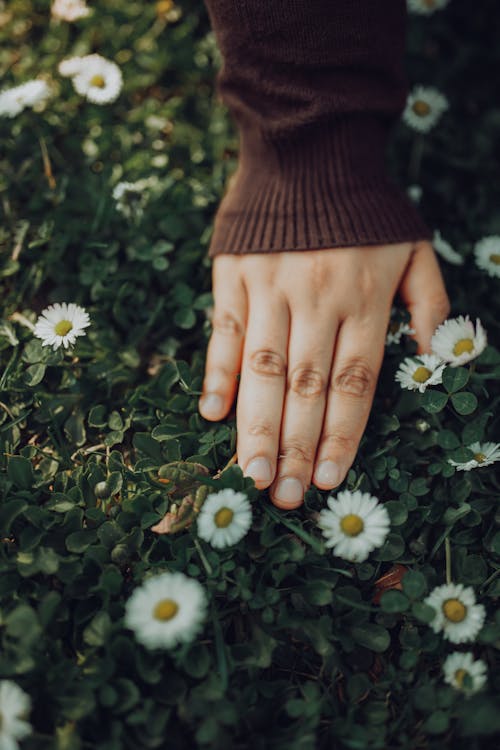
358, 358
226, 342
424, 293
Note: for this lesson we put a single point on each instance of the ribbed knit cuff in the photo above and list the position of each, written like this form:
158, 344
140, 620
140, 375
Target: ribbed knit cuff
326, 186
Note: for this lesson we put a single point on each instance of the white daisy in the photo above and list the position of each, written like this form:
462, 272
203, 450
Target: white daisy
420, 372
396, 331
69, 10
97, 79
131, 197
426, 7
355, 524
458, 665
414, 192
224, 518
424, 107
456, 341
457, 614
484, 455
445, 250
61, 323
29, 94
487, 252
169, 608
15, 705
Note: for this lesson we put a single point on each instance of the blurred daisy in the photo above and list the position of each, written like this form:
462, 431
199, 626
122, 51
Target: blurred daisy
225, 517
169, 608
69, 10
424, 107
487, 252
355, 524
61, 323
414, 192
131, 197
29, 94
457, 666
426, 7
445, 250
420, 372
97, 79
396, 331
457, 614
456, 341
15, 705
484, 455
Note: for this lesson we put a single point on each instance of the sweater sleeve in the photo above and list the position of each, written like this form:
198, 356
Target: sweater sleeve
313, 87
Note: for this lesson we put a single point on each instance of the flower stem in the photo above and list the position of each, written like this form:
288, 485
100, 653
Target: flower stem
447, 549
206, 564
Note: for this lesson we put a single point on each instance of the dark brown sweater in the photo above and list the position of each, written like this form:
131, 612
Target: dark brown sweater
313, 87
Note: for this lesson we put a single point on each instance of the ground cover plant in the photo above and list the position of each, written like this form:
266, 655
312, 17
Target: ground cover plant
150, 595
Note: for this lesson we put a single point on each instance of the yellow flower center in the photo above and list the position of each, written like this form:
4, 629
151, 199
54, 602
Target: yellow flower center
98, 81
165, 609
459, 676
480, 457
352, 524
164, 6
421, 108
63, 327
421, 374
223, 517
463, 345
454, 610
495, 258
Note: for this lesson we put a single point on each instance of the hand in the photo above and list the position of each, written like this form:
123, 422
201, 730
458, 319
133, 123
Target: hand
307, 330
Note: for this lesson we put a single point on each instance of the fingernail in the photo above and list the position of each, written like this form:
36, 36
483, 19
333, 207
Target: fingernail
259, 469
289, 490
211, 404
328, 472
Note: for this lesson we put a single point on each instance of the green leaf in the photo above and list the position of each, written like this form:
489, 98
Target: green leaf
9, 512
434, 401
394, 601
447, 439
34, 374
423, 612
454, 378
414, 584
20, 471
464, 402
371, 636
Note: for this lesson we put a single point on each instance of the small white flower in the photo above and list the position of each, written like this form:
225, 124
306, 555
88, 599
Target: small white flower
456, 341
457, 614
484, 455
131, 197
457, 665
167, 609
445, 250
97, 79
426, 7
420, 372
15, 705
397, 331
61, 323
355, 524
414, 192
29, 94
487, 252
69, 10
225, 517
424, 107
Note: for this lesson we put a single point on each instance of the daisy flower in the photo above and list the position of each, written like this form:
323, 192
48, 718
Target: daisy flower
484, 455
355, 524
168, 609
445, 250
396, 331
414, 192
131, 197
487, 252
69, 10
420, 372
15, 704
224, 518
457, 666
60, 324
457, 614
97, 79
456, 341
426, 7
29, 94
424, 107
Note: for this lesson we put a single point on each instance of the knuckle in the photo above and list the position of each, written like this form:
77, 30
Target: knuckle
307, 381
368, 284
267, 362
261, 429
297, 450
339, 439
356, 378
226, 323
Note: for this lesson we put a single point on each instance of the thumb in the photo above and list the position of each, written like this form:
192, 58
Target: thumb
423, 291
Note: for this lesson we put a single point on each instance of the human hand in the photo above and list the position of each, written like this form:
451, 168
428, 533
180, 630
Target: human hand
307, 331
